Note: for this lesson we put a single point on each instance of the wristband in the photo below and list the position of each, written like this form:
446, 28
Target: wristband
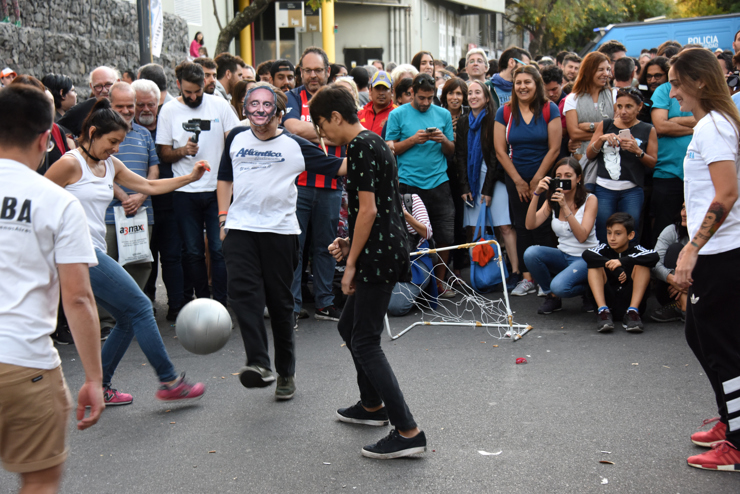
569, 215
535, 193
223, 213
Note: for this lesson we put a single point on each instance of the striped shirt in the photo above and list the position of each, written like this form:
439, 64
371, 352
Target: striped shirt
420, 214
138, 153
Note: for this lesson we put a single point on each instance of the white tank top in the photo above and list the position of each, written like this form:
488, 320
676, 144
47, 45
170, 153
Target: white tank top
95, 194
567, 242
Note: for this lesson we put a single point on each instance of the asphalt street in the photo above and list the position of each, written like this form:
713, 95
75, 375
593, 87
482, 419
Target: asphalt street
582, 397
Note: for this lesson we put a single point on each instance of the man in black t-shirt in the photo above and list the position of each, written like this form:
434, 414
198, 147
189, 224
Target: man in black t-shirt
377, 257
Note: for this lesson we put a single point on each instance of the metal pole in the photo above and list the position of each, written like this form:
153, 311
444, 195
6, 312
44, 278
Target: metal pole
144, 15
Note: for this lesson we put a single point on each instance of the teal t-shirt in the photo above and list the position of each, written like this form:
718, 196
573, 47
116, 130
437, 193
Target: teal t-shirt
671, 150
424, 165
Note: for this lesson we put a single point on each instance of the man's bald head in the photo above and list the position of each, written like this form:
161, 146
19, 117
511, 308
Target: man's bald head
102, 79
123, 100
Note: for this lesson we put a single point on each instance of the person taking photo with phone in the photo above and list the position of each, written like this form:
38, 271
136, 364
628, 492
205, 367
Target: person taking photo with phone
623, 147
573, 212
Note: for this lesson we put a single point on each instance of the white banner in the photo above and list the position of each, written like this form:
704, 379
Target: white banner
157, 27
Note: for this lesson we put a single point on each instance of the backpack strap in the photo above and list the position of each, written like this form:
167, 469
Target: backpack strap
507, 119
546, 112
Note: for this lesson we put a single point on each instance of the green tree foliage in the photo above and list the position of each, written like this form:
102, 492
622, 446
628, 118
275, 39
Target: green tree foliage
696, 8
556, 25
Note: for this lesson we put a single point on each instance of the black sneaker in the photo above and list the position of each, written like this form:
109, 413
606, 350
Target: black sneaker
254, 376
172, 314
285, 388
605, 323
668, 313
551, 304
394, 445
356, 414
105, 333
62, 335
330, 313
632, 322
588, 304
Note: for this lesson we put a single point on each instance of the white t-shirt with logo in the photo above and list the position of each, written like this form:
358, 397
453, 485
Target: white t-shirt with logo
715, 139
41, 226
210, 143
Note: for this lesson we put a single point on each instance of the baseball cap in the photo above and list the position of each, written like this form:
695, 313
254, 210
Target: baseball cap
381, 77
281, 65
7, 71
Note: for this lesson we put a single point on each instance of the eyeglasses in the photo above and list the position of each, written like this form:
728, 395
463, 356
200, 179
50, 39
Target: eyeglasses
650, 77
312, 71
99, 87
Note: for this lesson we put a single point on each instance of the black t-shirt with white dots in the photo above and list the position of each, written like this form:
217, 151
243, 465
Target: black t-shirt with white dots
371, 167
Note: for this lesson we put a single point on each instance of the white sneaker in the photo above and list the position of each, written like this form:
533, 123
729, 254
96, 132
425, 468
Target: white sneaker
524, 287
540, 292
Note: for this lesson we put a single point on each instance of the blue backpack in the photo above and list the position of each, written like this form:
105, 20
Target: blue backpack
484, 279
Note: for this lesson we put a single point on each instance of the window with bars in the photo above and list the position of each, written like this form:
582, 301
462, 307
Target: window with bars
190, 10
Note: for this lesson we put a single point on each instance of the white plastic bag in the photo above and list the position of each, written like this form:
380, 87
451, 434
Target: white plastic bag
132, 234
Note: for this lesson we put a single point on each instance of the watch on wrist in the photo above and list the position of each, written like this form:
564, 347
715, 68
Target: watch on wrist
591, 127
639, 156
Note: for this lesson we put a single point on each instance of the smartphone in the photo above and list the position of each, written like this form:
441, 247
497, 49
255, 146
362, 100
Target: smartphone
431, 129
625, 134
469, 204
559, 183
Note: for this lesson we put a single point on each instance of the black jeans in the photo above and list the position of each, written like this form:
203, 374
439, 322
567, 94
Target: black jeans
712, 331
542, 235
666, 203
166, 246
361, 326
260, 271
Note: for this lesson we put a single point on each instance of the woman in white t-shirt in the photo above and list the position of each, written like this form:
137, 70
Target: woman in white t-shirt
89, 173
590, 102
573, 212
710, 263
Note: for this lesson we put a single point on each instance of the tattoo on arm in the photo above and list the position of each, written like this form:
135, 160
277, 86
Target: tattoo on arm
714, 218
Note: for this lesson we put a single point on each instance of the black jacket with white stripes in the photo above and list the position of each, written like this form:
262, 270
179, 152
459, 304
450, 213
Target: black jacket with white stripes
633, 256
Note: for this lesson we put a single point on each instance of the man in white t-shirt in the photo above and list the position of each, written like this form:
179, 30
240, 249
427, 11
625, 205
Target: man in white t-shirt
44, 246
211, 119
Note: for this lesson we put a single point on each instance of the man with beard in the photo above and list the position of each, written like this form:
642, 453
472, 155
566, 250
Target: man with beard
571, 65
654, 74
210, 69
283, 75
101, 81
260, 230
229, 72
422, 136
196, 203
319, 196
165, 241
374, 115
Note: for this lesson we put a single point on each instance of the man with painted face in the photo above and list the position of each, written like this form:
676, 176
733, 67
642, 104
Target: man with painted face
259, 229
319, 196
196, 203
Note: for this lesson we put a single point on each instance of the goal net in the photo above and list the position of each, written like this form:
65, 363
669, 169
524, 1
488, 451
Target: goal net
468, 308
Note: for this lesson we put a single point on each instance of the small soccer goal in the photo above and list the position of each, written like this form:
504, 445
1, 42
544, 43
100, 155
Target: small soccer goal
468, 308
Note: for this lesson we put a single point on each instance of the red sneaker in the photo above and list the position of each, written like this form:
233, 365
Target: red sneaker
114, 397
180, 390
711, 437
723, 456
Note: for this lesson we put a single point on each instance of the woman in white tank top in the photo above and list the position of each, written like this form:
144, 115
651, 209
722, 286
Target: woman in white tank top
573, 212
88, 173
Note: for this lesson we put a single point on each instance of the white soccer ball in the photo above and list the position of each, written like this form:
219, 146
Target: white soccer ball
203, 326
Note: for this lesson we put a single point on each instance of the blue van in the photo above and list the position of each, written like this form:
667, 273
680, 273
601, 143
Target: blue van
716, 31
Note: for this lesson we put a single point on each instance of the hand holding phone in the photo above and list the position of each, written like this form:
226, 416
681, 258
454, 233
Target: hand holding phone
560, 183
431, 129
625, 134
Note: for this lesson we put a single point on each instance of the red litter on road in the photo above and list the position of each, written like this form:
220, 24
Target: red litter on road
521, 360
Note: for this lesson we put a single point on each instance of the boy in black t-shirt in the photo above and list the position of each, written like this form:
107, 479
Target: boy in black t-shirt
619, 275
377, 258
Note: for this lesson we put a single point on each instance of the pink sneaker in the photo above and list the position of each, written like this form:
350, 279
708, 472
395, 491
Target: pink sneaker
180, 390
113, 397
709, 438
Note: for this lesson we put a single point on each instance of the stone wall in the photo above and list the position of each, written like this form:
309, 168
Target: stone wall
72, 37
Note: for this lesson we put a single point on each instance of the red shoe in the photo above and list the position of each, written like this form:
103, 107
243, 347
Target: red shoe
723, 456
114, 397
180, 390
716, 434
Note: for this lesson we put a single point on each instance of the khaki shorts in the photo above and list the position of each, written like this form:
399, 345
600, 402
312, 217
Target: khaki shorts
34, 409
